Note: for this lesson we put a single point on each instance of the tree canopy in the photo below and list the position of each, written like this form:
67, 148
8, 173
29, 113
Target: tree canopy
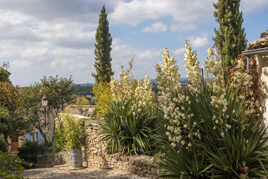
103, 50
230, 38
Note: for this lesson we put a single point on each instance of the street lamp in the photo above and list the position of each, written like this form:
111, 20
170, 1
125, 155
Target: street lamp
44, 105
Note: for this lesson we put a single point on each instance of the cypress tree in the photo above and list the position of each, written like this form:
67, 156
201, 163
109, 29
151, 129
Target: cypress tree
102, 50
230, 39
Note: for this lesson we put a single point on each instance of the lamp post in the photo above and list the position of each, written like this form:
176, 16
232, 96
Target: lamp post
44, 106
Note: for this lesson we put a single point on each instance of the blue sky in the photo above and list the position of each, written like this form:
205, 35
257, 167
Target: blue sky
41, 38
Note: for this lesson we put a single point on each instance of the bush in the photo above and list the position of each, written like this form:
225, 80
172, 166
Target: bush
82, 101
3, 144
243, 152
11, 167
103, 95
59, 141
74, 133
210, 131
30, 150
132, 119
130, 133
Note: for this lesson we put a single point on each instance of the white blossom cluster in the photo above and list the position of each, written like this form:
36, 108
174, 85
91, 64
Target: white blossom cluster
194, 71
173, 102
128, 89
219, 101
122, 89
143, 95
182, 126
241, 80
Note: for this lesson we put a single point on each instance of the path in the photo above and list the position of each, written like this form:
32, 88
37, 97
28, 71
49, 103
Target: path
65, 172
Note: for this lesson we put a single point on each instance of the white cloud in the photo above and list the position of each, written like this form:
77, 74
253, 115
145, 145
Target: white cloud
184, 14
137, 11
199, 41
156, 27
179, 27
44, 47
251, 5
21, 63
179, 51
144, 60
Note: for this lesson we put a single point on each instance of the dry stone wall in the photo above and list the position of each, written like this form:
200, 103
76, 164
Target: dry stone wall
97, 156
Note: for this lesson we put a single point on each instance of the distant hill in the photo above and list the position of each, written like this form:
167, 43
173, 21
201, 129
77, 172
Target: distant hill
83, 89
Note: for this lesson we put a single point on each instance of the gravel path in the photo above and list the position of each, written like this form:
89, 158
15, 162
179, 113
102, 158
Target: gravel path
66, 172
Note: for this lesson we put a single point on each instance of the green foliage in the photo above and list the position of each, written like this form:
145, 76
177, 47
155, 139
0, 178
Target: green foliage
58, 92
230, 39
11, 167
4, 123
4, 75
130, 133
82, 101
103, 95
74, 132
215, 155
82, 90
3, 144
30, 151
242, 152
102, 50
59, 142
11, 121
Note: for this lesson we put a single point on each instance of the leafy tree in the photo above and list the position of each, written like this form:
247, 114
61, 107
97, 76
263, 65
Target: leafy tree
4, 75
11, 122
82, 90
11, 167
103, 95
58, 92
230, 37
103, 49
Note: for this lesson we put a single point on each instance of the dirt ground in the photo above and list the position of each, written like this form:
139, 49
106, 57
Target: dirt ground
66, 172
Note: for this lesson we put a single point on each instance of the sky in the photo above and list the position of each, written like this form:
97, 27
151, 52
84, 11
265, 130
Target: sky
56, 37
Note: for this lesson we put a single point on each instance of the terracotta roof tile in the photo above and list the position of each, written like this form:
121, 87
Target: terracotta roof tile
259, 43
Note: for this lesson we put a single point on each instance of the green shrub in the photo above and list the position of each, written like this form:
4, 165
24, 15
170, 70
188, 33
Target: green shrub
30, 151
3, 144
11, 167
74, 132
82, 101
130, 133
210, 130
243, 152
103, 95
59, 140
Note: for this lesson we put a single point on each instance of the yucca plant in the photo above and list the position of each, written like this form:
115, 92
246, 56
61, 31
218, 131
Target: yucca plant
243, 153
128, 132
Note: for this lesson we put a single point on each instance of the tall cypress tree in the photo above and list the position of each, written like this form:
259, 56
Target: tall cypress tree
103, 50
230, 39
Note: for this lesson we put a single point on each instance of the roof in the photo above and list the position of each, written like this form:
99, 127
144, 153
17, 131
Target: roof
262, 42
260, 46
259, 51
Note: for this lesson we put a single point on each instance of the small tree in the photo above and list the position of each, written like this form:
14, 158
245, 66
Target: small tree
230, 38
11, 122
103, 49
58, 92
4, 75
